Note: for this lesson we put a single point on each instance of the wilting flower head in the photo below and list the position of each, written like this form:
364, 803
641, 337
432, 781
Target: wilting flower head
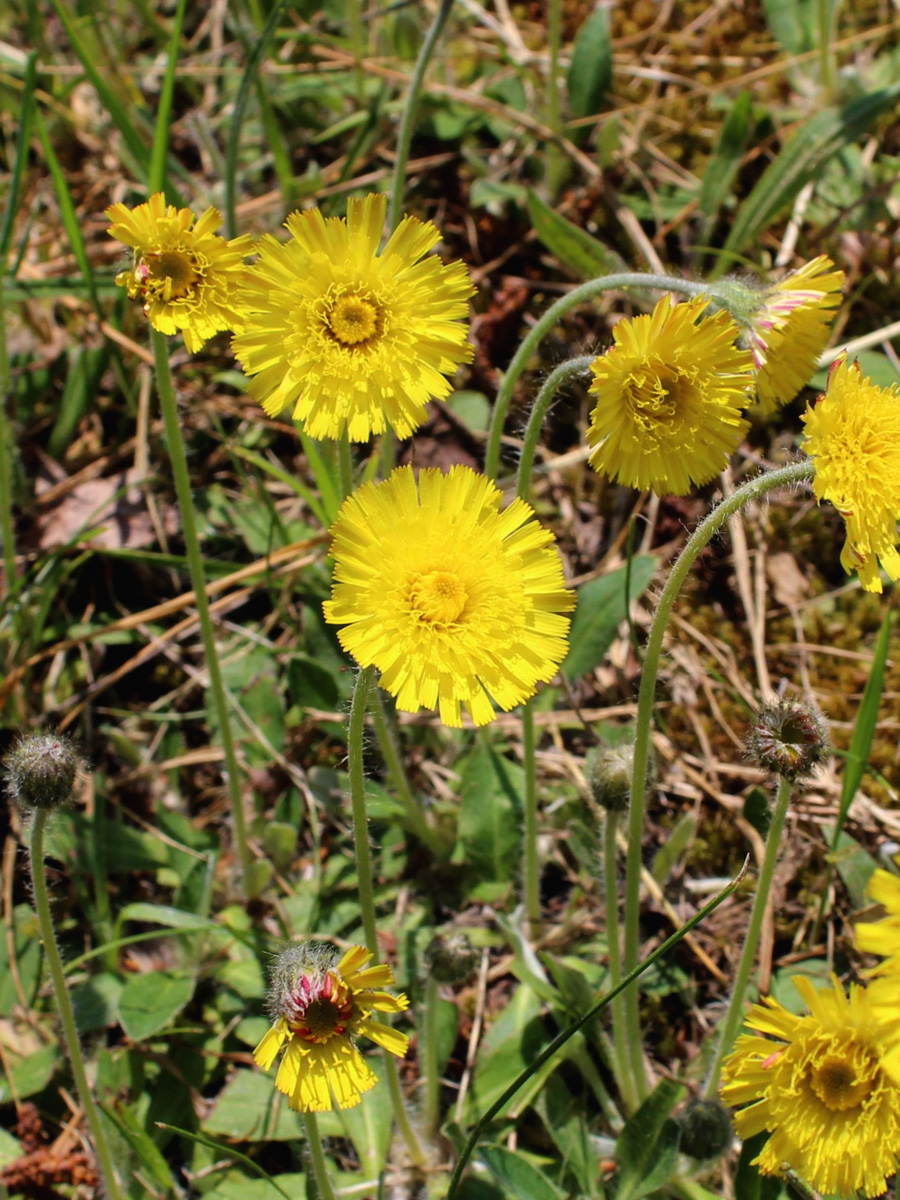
348, 337
853, 437
786, 325
669, 395
186, 275
788, 738
820, 1089
320, 1003
452, 600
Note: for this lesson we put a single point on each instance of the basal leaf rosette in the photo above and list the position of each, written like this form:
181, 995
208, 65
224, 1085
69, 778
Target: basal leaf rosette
350, 338
455, 602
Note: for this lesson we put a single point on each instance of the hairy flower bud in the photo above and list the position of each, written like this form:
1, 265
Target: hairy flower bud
42, 770
705, 1129
450, 957
788, 738
609, 771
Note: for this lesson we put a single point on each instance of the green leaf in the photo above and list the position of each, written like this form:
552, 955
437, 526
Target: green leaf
96, 1001
855, 866
783, 989
10, 1149
726, 158
518, 1175
793, 23
310, 684
590, 72
600, 610
574, 248
150, 1001
147, 1151
564, 1117
800, 160
648, 1145
236, 1186
30, 1074
248, 1109
27, 950
512, 1042
489, 837
674, 846
164, 914
368, 1126
866, 723
875, 365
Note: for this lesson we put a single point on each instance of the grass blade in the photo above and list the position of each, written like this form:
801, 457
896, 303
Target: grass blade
156, 177
18, 169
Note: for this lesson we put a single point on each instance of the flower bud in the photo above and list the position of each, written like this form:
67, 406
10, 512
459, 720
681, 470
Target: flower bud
705, 1129
788, 738
42, 770
450, 957
609, 771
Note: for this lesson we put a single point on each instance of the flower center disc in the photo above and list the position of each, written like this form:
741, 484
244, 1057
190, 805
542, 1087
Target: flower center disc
172, 272
353, 319
323, 1018
438, 597
653, 395
838, 1086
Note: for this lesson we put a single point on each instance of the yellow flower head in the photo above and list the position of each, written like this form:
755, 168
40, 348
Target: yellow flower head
820, 1089
882, 937
790, 328
320, 1004
853, 436
453, 601
185, 274
669, 395
352, 339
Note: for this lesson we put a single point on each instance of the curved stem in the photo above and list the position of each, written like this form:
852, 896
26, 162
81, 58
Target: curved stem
530, 832
611, 892
748, 955
180, 474
705, 531
411, 108
545, 397
317, 1157
543, 325
355, 733
64, 1004
345, 466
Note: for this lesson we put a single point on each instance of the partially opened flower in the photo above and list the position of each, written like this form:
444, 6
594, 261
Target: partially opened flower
853, 437
186, 276
452, 600
320, 1003
788, 328
669, 395
350, 338
820, 1089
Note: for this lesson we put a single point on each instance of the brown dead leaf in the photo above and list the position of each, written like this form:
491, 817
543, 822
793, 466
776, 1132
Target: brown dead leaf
109, 513
789, 585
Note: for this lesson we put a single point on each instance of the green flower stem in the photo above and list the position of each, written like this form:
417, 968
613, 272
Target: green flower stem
735, 1013
411, 108
541, 327
415, 818
317, 1156
797, 473
355, 732
7, 528
564, 1035
64, 1004
545, 397
345, 466
178, 459
530, 832
611, 890
430, 1064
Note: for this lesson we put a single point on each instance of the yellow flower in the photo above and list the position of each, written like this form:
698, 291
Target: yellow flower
790, 329
669, 396
453, 601
187, 277
853, 436
320, 1005
883, 936
820, 1089
350, 338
